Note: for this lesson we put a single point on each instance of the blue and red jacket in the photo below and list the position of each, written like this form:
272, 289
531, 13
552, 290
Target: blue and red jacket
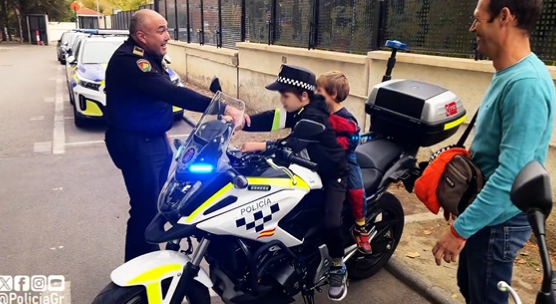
347, 134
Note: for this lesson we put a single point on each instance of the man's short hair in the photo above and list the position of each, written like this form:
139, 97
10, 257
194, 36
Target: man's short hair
527, 12
136, 22
334, 82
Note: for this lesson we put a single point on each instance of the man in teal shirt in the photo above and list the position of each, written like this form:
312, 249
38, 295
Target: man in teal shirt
514, 127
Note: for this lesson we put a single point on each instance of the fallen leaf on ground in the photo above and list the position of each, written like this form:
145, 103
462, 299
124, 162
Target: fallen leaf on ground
537, 280
521, 261
454, 296
427, 232
412, 255
525, 254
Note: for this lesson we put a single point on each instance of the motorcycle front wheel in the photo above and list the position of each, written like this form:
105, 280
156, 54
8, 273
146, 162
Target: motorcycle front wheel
197, 293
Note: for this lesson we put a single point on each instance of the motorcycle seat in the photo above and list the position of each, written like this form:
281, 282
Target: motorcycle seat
375, 158
378, 154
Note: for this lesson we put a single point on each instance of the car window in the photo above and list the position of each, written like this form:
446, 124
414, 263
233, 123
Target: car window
77, 49
99, 51
65, 37
71, 38
76, 41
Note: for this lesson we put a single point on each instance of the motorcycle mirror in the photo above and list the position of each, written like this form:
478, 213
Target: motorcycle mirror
307, 128
531, 189
215, 85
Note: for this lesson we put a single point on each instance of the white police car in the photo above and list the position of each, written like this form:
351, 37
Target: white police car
86, 69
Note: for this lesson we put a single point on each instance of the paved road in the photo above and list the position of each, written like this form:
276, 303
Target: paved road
63, 204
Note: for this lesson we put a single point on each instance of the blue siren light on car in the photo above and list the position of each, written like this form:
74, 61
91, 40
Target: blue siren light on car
200, 168
102, 32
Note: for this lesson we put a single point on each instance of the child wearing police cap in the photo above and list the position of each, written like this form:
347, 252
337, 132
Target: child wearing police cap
297, 87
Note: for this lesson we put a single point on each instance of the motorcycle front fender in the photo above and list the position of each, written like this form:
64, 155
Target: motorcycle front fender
152, 268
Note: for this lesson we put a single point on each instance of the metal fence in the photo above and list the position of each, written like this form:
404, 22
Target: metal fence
120, 21
438, 27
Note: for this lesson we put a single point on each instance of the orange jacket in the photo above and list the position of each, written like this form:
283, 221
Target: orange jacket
427, 183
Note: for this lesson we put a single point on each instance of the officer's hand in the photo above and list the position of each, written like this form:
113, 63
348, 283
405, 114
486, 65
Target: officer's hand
243, 120
239, 119
228, 118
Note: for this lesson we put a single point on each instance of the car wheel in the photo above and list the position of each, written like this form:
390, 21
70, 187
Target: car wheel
72, 102
78, 121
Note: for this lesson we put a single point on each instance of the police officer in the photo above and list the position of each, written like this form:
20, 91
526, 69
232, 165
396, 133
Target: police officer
139, 100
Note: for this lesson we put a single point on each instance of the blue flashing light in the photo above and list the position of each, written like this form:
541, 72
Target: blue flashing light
395, 44
200, 168
87, 31
102, 32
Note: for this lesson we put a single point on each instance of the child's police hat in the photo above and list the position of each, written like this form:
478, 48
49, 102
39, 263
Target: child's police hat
294, 76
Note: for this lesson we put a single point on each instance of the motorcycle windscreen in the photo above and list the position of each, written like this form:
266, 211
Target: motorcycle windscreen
201, 158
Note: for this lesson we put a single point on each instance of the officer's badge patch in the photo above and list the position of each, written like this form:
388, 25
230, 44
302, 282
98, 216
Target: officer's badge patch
138, 51
144, 65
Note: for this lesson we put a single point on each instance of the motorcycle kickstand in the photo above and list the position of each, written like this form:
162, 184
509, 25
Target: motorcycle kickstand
309, 296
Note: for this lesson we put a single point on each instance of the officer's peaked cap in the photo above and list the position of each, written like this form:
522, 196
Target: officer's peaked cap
294, 76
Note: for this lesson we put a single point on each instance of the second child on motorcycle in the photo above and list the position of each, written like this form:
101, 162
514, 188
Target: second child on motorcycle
334, 86
297, 89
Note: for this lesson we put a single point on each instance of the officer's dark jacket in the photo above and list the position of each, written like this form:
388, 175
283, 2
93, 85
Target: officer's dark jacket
140, 95
326, 151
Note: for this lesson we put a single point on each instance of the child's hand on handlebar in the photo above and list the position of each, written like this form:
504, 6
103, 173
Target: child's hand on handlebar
253, 147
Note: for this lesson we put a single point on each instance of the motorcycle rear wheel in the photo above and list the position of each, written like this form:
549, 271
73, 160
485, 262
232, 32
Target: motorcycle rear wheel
197, 293
361, 266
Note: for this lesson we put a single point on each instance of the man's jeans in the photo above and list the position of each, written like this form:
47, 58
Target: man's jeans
488, 257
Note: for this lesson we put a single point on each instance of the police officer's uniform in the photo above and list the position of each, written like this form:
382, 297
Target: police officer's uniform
139, 99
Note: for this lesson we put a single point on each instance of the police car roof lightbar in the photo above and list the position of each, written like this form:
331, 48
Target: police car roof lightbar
102, 32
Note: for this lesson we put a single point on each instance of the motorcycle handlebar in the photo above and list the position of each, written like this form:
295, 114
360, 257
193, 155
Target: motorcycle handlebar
304, 163
289, 156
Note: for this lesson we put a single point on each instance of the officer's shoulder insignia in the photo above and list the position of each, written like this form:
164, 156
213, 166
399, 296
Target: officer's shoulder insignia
138, 51
144, 65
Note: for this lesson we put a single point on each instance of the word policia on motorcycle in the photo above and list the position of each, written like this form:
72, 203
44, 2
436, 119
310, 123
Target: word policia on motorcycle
256, 206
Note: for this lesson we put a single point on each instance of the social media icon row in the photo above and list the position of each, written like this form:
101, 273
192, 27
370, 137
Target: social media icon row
34, 283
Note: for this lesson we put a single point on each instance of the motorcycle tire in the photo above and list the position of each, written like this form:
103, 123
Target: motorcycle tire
197, 293
361, 267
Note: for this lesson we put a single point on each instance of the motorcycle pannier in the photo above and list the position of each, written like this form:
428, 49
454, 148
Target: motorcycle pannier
413, 112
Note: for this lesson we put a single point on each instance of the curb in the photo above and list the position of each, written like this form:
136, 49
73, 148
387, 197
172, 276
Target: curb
417, 282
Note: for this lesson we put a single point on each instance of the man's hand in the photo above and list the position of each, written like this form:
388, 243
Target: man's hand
448, 247
253, 146
238, 119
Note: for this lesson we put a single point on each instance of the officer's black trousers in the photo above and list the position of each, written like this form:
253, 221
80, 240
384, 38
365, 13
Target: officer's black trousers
144, 162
